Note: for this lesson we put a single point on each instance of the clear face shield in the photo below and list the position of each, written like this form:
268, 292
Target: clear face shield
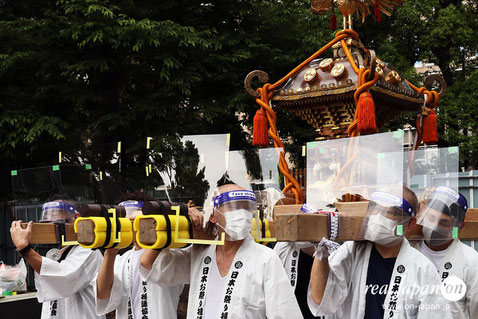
433, 174
57, 211
342, 173
441, 214
234, 211
265, 179
243, 167
35, 191
432, 167
189, 171
258, 170
386, 219
132, 208
34, 186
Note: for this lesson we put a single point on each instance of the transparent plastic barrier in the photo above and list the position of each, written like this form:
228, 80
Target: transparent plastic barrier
433, 174
357, 166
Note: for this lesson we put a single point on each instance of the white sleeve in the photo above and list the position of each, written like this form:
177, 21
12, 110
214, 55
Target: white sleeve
432, 303
59, 280
472, 300
281, 249
336, 290
279, 295
171, 267
117, 296
118, 293
472, 290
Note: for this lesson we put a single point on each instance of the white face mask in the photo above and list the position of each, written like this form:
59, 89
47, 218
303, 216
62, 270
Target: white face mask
238, 223
435, 238
303, 244
381, 230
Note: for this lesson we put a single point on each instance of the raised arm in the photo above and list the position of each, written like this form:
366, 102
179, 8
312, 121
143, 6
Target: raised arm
105, 278
318, 279
329, 280
148, 258
21, 239
171, 267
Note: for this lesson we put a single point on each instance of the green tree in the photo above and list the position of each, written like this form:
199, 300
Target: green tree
82, 75
444, 33
458, 119
77, 76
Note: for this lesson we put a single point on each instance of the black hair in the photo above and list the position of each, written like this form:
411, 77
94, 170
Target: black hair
63, 197
411, 198
224, 180
454, 210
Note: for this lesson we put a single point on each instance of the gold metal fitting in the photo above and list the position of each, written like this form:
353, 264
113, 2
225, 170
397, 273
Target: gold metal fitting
380, 64
310, 75
338, 71
326, 64
379, 71
393, 77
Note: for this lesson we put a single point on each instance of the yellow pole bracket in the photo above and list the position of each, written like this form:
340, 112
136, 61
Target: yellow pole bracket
256, 231
68, 243
194, 241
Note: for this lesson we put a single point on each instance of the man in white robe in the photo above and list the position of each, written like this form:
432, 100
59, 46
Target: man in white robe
441, 215
241, 279
297, 259
118, 286
383, 277
63, 286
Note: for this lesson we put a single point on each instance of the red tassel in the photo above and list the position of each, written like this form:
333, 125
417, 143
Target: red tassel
260, 134
366, 114
333, 19
430, 131
376, 9
333, 22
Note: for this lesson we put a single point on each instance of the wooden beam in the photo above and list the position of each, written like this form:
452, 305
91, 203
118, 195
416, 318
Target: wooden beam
272, 229
293, 225
86, 232
289, 225
297, 226
147, 231
47, 233
470, 230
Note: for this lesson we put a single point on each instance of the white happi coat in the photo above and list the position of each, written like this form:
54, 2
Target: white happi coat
288, 254
462, 261
257, 284
64, 287
161, 301
346, 285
